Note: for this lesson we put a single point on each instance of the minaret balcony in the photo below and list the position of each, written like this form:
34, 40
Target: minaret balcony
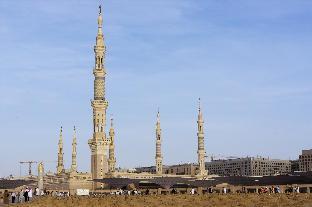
99, 72
99, 104
99, 48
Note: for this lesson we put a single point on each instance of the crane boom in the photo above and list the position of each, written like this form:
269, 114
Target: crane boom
29, 165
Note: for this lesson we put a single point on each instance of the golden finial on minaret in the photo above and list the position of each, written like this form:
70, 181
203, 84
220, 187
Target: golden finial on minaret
112, 121
158, 115
200, 115
100, 18
61, 136
75, 137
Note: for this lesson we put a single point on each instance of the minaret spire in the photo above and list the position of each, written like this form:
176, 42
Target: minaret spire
74, 152
98, 142
201, 146
200, 115
158, 157
112, 158
60, 154
100, 21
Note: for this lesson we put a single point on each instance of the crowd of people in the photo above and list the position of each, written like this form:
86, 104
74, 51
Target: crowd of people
24, 195
58, 194
193, 191
277, 189
27, 194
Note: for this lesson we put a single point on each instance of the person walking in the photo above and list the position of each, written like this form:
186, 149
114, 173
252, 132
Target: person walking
20, 196
25, 194
278, 189
192, 191
6, 197
13, 196
147, 192
297, 189
17, 197
30, 194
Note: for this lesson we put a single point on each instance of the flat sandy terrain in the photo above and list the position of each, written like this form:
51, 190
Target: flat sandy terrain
242, 200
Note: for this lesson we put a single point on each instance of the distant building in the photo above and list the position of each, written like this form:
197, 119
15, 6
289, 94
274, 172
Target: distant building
181, 169
249, 166
295, 165
150, 169
305, 160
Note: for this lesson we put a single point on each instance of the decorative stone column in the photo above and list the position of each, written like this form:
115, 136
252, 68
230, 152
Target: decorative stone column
40, 177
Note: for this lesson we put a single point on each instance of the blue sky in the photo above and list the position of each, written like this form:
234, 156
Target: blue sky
249, 61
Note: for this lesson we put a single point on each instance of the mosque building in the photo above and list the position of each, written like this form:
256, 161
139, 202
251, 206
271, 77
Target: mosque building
103, 160
102, 145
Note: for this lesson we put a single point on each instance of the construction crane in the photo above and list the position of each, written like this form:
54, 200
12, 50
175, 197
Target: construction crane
29, 166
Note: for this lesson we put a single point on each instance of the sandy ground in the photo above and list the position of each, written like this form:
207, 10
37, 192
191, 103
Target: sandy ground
215, 200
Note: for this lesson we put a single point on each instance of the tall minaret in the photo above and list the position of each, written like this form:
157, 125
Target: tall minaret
98, 142
74, 153
112, 159
158, 157
60, 155
201, 146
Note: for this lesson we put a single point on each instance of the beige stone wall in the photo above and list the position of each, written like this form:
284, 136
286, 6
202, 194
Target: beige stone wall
184, 169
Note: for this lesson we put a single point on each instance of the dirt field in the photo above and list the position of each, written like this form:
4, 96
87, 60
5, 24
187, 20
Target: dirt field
234, 200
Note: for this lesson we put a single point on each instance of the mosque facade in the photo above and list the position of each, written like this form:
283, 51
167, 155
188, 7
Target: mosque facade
102, 144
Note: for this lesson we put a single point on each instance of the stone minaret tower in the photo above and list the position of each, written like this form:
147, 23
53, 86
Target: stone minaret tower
158, 157
60, 155
98, 142
40, 177
112, 159
201, 146
73, 167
